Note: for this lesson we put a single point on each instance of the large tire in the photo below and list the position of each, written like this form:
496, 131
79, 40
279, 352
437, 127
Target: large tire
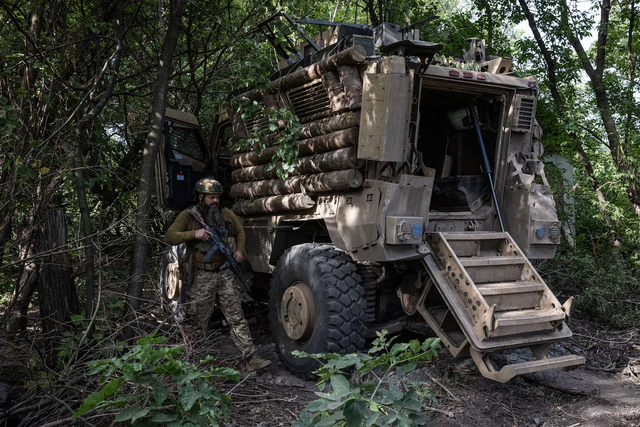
333, 319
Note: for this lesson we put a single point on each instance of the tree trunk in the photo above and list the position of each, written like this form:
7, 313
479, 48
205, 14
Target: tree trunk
56, 292
81, 131
560, 108
141, 247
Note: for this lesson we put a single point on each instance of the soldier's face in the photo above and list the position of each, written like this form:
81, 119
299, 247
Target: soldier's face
210, 200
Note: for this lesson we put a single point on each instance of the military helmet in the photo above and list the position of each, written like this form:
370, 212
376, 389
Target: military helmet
207, 186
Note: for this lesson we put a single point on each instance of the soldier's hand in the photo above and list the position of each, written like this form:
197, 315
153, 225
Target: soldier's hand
202, 234
237, 255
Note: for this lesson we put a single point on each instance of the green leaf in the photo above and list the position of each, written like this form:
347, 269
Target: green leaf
403, 370
93, 400
330, 421
402, 421
319, 405
163, 418
417, 420
24, 171
411, 401
372, 419
131, 414
189, 396
354, 411
397, 348
340, 386
160, 393
112, 387
368, 386
415, 346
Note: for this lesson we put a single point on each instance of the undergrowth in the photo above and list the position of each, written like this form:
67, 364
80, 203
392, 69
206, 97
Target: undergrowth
606, 289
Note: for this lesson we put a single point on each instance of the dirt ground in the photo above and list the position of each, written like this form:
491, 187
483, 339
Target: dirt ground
606, 392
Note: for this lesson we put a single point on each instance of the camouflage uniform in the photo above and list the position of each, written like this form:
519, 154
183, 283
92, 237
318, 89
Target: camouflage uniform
209, 288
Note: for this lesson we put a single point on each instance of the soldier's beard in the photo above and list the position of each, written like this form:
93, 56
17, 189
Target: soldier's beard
212, 215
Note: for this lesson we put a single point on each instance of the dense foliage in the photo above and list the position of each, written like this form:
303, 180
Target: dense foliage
77, 83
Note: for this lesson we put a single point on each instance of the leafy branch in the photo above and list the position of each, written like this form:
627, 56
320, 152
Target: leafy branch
368, 403
270, 121
152, 386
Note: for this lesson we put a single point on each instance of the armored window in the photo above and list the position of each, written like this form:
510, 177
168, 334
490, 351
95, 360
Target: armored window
187, 141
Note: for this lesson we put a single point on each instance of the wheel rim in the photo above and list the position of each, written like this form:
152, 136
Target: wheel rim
298, 312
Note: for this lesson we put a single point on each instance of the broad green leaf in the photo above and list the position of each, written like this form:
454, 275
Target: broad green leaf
372, 419
417, 420
396, 392
163, 418
340, 386
354, 411
411, 401
397, 348
415, 346
403, 370
112, 387
131, 414
318, 405
93, 400
402, 421
189, 396
160, 393
330, 421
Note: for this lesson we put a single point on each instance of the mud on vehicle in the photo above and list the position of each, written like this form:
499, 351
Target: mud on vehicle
419, 195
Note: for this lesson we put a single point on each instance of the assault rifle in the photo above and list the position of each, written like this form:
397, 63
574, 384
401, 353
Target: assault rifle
217, 245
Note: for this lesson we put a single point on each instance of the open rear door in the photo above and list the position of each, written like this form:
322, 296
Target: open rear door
182, 160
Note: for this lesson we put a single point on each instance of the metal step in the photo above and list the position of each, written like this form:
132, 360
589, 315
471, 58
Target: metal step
490, 261
527, 317
496, 301
505, 288
509, 371
480, 235
517, 295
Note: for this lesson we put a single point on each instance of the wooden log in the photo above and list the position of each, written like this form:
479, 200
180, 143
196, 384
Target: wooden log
350, 79
352, 56
345, 158
321, 127
239, 129
310, 184
287, 203
335, 90
330, 124
271, 101
319, 144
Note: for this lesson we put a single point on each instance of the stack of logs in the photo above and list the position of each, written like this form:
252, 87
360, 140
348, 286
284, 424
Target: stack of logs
327, 146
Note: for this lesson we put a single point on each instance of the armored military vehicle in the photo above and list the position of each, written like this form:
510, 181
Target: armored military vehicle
419, 194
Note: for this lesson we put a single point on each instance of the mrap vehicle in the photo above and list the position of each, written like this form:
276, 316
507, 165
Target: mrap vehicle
419, 194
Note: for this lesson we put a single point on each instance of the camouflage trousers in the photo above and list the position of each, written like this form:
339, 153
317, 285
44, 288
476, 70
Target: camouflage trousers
209, 288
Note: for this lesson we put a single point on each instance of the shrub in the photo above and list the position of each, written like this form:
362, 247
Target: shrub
380, 402
153, 387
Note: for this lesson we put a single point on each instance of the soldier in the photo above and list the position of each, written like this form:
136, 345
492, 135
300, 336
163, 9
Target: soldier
209, 283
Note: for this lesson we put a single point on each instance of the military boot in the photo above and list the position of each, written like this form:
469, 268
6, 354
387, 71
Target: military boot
255, 363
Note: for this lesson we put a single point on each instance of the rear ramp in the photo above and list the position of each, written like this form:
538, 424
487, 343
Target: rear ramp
485, 296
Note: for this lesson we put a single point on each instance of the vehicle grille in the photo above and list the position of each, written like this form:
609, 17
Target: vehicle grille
525, 115
310, 101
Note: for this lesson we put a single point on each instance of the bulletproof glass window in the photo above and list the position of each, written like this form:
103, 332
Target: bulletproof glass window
187, 141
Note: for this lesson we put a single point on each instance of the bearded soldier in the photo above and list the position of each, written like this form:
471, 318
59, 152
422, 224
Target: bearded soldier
212, 282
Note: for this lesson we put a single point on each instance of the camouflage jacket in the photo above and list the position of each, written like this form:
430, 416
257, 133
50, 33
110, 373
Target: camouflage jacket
184, 228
